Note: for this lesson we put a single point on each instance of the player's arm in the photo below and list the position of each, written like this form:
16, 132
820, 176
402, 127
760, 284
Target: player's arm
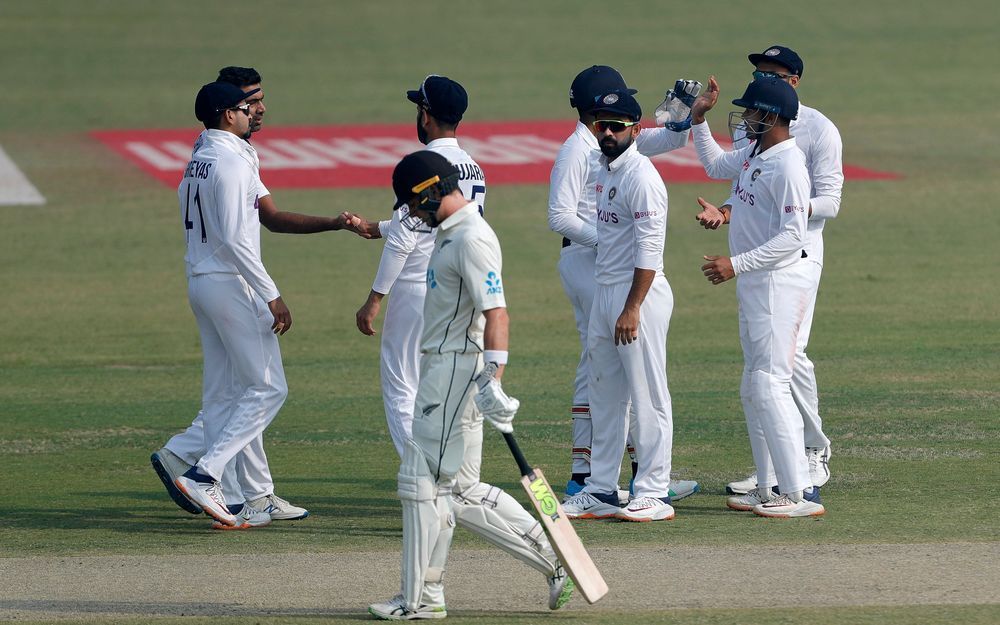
566, 185
231, 189
827, 174
297, 223
673, 119
649, 197
496, 337
399, 244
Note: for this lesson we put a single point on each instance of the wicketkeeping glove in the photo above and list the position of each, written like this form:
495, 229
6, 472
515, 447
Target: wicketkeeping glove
674, 113
495, 405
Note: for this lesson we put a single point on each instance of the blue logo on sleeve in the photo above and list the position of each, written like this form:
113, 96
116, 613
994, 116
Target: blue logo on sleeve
493, 286
430, 279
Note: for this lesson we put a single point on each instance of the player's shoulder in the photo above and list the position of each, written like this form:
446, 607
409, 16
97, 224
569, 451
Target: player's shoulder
817, 122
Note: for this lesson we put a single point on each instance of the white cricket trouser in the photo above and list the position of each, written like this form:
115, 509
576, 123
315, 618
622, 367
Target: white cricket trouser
400, 357
637, 370
576, 271
805, 393
772, 305
246, 477
244, 382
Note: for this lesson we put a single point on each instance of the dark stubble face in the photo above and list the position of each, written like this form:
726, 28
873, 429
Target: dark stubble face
613, 147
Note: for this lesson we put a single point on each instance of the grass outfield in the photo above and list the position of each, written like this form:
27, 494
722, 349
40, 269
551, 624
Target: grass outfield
99, 355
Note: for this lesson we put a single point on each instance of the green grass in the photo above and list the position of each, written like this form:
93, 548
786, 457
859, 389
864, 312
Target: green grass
100, 360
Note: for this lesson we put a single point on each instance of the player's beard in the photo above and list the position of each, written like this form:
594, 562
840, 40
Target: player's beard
421, 131
613, 148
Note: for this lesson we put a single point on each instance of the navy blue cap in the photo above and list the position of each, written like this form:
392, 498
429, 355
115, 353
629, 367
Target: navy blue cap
592, 83
418, 171
771, 95
620, 103
218, 96
786, 57
443, 98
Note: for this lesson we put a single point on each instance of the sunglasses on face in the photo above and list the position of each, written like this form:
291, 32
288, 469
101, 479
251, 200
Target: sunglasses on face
614, 125
762, 74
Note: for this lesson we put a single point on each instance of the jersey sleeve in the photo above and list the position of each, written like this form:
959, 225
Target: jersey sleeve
791, 196
399, 243
718, 163
653, 141
649, 219
827, 173
261, 189
481, 268
566, 184
231, 191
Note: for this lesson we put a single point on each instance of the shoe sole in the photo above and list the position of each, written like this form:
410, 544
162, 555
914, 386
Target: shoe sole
785, 515
623, 517
168, 482
739, 507
243, 526
415, 617
210, 511
589, 516
290, 518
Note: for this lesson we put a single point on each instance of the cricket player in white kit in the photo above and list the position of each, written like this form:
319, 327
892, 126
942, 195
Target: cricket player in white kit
572, 213
441, 103
247, 483
768, 246
627, 335
465, 320
820, 141
236, 304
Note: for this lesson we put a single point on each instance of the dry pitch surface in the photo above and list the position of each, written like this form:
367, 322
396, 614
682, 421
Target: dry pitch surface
346, 582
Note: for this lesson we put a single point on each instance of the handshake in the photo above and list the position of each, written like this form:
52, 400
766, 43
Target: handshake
495, 405
674, 113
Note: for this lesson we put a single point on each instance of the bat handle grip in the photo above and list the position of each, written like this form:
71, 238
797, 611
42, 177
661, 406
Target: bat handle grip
522, 464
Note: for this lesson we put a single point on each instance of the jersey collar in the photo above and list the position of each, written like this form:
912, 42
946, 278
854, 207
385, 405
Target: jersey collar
442, 142
623, 160
588, 137
459, 216
774, 150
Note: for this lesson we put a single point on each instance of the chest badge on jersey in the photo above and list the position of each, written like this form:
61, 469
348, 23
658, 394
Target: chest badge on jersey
612, 193
754, 175
493, 286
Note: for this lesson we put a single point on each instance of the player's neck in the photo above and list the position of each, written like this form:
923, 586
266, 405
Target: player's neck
773, 137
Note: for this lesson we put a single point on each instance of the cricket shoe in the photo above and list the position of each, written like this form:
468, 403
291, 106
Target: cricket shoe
560, 588
742, 487
586, 505
247, 518
169, 466
206, 493
679, 489
395, 610
643, 509
782, 506
819, 464
747, 502
278, 508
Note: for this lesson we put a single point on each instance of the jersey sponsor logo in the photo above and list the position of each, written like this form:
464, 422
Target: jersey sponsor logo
795, 209
743, 194
600, 188
607, 216
431, 282
493, 286
612, 193
644, 214
357, 156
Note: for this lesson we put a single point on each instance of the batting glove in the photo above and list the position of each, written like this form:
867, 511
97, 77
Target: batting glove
674, 113
493, 403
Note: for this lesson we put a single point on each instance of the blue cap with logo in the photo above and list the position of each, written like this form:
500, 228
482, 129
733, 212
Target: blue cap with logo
218, 96
592, 83
443, 98
786, 57
771, 95
618, 102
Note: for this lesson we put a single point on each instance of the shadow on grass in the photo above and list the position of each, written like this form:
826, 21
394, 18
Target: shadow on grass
28, 607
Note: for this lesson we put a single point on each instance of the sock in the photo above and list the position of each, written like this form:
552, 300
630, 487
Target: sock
194, 474
580, 478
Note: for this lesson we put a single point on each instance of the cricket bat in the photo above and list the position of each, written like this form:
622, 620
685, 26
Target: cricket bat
565, 542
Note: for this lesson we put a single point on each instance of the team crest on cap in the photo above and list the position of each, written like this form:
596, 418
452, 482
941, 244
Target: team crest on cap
611, 98
772, 52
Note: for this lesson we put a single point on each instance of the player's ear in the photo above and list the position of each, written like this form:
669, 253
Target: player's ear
793, 81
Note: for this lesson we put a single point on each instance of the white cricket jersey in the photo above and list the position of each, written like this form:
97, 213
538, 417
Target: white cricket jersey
767, 227
631, 217
819, 140
463, 280
218, 201
405, 253
572, 184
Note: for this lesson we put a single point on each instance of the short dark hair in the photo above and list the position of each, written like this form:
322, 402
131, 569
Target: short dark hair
215, 121
239, 76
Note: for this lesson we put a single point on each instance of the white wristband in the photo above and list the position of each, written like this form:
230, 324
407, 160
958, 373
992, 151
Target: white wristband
495, 355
